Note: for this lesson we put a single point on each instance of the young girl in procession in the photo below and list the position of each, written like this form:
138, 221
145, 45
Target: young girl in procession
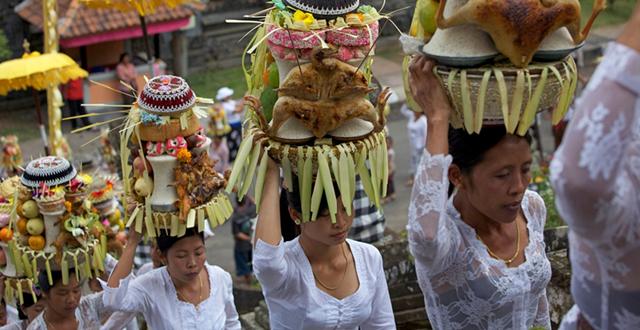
596, 177
480, 254
320, 280
65, 307
185, 294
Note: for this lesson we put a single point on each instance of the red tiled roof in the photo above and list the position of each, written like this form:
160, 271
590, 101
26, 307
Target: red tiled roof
76, 20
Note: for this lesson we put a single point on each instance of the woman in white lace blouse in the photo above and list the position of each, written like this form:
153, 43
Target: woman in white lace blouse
479, 254
596, 175
321, 279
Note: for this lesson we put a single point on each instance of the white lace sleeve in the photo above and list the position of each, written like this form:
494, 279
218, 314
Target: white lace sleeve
596, 171
542, 317
433, 237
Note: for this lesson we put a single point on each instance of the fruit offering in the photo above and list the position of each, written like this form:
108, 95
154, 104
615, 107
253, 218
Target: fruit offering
170, 179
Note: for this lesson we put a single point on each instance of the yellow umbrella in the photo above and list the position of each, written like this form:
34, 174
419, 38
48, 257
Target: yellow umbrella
38, 71
143, 7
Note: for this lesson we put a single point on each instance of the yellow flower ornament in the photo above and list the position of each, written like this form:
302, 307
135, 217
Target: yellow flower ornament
306, 18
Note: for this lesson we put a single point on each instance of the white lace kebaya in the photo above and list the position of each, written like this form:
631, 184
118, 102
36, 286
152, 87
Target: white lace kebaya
464, 288
596, 176
295, 302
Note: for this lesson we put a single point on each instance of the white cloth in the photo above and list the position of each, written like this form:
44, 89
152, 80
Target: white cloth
223, 93
154, 295
17, 325
121, 320
295, 302
12, 314
230, 110
464, 288
145, 269
417, 130
596, 176
89, 313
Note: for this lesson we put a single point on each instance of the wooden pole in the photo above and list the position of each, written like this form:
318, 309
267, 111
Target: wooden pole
43, 132
145, 35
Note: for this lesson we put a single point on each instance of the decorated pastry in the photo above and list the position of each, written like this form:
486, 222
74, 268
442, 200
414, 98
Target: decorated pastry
167, 171
50, 171
325, 8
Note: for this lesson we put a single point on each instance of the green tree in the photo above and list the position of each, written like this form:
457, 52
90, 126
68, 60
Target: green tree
5, 52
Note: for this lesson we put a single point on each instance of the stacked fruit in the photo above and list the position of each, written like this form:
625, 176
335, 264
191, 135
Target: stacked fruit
30, 224
105, 203
56, 228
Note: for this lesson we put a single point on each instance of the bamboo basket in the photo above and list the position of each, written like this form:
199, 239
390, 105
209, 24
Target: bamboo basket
504, 94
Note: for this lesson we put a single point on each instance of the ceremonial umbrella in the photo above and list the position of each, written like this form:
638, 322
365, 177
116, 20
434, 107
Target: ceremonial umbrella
38, 71
143, 7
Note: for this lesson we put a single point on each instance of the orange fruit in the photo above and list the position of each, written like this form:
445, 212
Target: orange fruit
36, 242
22, 226
6, 234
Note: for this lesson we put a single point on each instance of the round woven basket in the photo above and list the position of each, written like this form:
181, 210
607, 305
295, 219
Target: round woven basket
559, 78
278, 151
169, 130
320, 169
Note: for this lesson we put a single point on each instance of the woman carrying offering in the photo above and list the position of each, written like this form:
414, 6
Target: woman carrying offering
480, 257
321, 279
185, 294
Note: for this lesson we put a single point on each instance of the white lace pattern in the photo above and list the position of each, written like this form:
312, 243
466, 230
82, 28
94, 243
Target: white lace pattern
596, 175
464, 287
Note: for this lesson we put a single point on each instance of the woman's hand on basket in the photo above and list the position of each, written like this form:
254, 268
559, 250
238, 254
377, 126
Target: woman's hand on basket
427, 90
431, 97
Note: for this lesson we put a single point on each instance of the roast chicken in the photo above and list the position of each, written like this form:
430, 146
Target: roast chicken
323, 95
517, 27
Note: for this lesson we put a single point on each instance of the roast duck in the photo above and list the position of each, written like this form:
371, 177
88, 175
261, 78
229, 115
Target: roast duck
518, 27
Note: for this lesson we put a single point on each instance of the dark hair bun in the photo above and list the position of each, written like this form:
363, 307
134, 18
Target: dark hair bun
165, 241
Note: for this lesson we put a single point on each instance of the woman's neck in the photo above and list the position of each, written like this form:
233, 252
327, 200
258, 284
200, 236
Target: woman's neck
180, 284
474, 218
54, 318
318, 252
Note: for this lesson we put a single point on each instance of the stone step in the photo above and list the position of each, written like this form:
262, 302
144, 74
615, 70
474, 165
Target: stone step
403, 289
412, 319
248, 322
408, 302
262, 315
